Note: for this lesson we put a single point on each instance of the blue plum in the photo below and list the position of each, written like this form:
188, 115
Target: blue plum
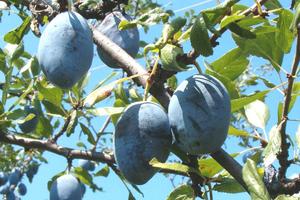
3, 178
65, 51
22, 189
199, 114
4, 189
15, 177
127, 39
87, 165
30, 125
32, 170
83, 189
66, 187
11, 196
142, 133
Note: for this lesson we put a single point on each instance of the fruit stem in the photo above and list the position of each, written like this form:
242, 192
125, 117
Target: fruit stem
150, 79
197, 66
70, 5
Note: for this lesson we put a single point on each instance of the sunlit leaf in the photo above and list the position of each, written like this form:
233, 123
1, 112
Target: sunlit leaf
257, 113
182, 192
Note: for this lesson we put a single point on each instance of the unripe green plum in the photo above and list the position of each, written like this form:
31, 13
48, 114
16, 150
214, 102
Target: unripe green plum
65, 51
142, 133
127, 39
199, 114
66, 187
30, 125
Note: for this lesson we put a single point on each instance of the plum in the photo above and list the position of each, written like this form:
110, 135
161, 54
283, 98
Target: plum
127, 39
65, 50
30, 125
87, 165
3, 178
11, 196
4, 189
22, 189
83, 189
66, 187
142, 133
199, 114
15, 177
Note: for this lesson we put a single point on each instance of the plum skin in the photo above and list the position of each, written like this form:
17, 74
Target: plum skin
87, 165
65, 50
142, 133
127, 39
199, 114
31, 124
66, 187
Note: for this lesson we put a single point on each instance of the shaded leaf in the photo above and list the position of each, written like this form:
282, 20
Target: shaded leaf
273, 147
239, 103
254, 182
229, 185
182, 192
236, 132
177, 167
103, 172
232, 64
15, 36
88, 133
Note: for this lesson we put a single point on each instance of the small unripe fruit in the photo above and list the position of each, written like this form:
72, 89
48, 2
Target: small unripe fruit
22, 189
199, 114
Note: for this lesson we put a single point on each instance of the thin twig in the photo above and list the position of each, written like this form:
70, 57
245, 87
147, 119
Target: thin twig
283, 154
99, 134
62, 130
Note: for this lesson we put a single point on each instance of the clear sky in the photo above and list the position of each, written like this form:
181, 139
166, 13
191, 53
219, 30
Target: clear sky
159, 187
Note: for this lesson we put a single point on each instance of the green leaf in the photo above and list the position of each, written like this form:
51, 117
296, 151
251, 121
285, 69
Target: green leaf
232, 64
200, 39
182, 192
241, 31
286, 197
50, 93
177, 167
49, 184
14, 51
229, 185
209, 167
73, 123
231, 18
284, 37
256, 187
83, 175
54, 109
106, 111
257, 113
236, 132
2, 61
15, 36
264, 45
103, 172
99, 94
44, 127
298, 136
237, 104
272, 4
31, 65
273, 147
88, 133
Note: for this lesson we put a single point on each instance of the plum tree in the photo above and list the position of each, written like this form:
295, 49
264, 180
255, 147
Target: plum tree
66, 187
142, 133
32, 170
127, 39
65, 51
87, 165
29, 125
199, 114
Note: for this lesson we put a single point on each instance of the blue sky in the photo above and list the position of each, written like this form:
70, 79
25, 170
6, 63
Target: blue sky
159, 187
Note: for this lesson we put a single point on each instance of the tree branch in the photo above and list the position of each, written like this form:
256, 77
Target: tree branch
54, 148
283, 154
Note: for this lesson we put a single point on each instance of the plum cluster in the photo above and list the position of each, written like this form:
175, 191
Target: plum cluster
197, 122
11, 182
